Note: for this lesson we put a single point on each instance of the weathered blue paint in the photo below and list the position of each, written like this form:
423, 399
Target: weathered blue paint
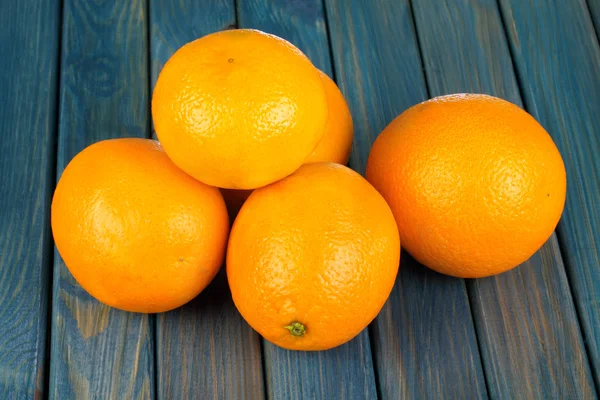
526, 353
594, 6
96, 351
424, 344
557, 57
29, 39
425, 333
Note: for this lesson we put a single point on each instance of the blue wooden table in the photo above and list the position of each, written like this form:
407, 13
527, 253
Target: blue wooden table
73, 72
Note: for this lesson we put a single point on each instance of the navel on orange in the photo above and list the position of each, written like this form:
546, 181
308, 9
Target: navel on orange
313, 257
475, 183
239, 109
135, 231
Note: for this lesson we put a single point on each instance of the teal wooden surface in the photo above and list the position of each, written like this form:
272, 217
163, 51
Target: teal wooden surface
99, 352
173, 24
204, 349
530, 333
28, 105
526, 353
302, 22
425, 332
594, 6
556, 53
345, 372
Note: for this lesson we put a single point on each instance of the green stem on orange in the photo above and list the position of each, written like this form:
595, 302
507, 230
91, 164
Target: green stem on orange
296, 328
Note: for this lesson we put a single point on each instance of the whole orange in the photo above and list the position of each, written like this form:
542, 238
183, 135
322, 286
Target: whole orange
239, 109
336, 143
135, 231
313, 257
475, 183
334, 146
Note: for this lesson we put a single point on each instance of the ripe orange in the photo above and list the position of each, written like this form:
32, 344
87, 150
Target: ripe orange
313, 257
135, 231
475, 183
334, 146
336, 142
239, 109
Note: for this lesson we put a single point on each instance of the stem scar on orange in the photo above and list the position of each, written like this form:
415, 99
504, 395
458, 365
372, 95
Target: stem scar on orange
475, 183
313, 257
135, 231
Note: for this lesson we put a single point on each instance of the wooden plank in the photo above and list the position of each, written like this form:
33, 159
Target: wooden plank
173, 24
300, 22
594, 6
29, 38
347, 371
525, 318
204, 349
557, 57
98, 352
424, 334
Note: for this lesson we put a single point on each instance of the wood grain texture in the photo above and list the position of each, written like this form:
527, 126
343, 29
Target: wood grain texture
556, 53
204, 349
525, 318
175, 23
594, 6
99, 352
347, 371
28, 104
301, 22
425, 333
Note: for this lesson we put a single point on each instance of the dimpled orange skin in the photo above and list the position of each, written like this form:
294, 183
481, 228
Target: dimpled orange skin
336, 143
319, 248
475, 183
239, 109
334, 146
134, 230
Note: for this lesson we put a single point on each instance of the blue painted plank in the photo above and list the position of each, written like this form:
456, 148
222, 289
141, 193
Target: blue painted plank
98, 352
347, 371
594, 6
204, 349
29, 38
425, 333
173, 24
525, 318
301, 22
557, 57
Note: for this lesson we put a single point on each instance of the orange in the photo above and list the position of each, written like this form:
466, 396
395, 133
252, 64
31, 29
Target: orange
336, 142
135, 231
239, 109
334, 146
475, 183
312, 258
